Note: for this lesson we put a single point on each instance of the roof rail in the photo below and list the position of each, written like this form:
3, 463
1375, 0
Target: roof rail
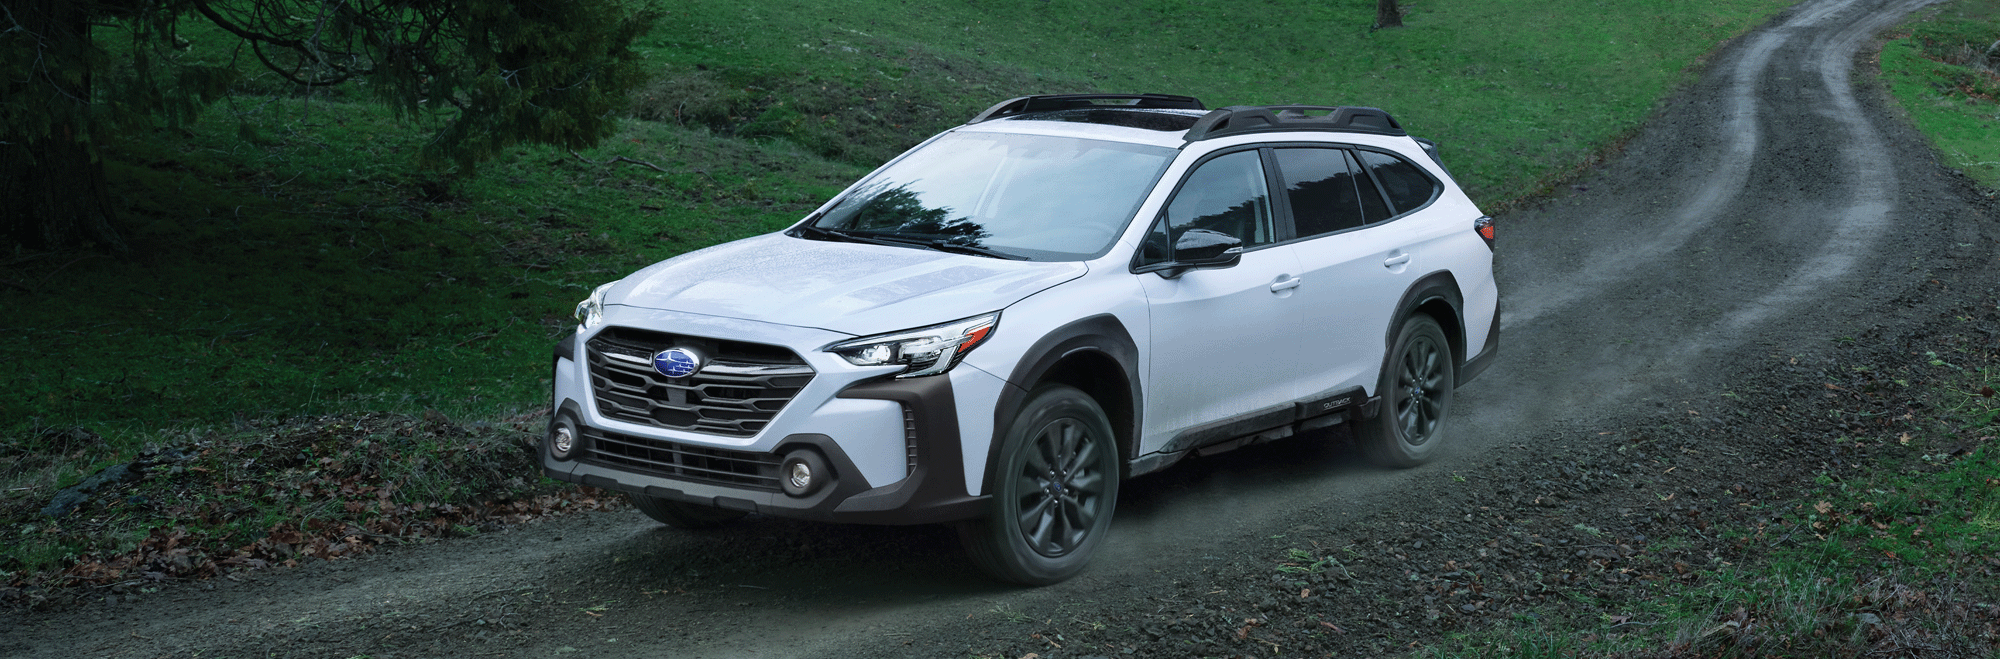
1240, 119
1052, 102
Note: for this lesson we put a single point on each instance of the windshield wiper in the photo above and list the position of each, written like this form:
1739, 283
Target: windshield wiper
843, 236
939, 245
962, 248
944, 245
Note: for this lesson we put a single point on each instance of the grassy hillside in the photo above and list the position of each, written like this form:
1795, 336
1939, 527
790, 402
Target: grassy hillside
1945, 72
1514, 89
289, 260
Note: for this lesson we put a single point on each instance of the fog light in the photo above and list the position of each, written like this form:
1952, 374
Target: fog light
803, 473
562, 440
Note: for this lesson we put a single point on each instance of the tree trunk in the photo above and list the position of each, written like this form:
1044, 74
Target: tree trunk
1387, 15
56, 195
51, 181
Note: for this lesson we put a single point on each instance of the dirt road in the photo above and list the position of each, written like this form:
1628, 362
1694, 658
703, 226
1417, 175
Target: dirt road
1772, 215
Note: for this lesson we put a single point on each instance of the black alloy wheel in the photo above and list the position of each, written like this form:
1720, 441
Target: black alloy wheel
1054, 491
1418, 380
1416, 389
1061, 488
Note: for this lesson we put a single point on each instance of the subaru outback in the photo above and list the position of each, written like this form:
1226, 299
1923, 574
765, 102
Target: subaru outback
1000, 325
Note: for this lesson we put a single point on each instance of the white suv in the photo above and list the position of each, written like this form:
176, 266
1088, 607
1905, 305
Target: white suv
998, 326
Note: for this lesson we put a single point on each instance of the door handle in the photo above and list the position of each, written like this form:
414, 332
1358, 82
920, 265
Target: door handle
1285, 284
1396, 260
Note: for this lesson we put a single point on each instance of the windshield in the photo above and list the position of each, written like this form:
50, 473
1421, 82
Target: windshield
1026, 196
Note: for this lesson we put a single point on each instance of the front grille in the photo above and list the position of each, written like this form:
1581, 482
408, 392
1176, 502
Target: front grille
735, 394
680, 461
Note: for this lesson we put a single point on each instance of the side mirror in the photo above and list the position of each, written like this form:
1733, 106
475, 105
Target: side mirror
1198, 249
1202, 248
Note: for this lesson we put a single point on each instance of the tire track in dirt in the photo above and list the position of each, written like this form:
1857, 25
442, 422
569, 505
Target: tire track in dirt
1871, 182
1740, 136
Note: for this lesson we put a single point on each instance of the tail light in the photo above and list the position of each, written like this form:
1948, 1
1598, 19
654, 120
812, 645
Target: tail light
1484, 227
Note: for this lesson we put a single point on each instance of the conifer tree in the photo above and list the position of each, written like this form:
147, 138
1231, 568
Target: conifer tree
490, 73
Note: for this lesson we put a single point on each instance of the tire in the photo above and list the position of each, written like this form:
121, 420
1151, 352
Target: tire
1416, 387
684, 515
1053, 491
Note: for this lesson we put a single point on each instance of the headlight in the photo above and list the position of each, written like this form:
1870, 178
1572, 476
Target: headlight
927, 351
590, 312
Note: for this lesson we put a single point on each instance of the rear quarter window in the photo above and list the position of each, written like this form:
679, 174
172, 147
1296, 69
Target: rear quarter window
1406, 184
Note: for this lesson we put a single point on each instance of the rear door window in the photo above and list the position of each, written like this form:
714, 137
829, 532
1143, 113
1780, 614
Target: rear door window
1321, 188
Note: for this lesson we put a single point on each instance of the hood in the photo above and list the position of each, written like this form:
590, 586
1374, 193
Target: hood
850, 288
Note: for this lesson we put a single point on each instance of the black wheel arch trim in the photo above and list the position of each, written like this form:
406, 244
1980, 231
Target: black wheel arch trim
1435, 287
1102, 334
1487, 353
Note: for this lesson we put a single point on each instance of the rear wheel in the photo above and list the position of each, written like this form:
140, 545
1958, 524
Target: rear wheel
682, 515
1416, 390
1053, 493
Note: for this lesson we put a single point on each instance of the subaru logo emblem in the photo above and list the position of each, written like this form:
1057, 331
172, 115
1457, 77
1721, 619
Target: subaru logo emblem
676, 362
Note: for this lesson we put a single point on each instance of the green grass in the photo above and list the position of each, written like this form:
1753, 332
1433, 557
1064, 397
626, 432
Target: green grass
1945, 72
1514, 90
313, 271
289, 259
1898, 551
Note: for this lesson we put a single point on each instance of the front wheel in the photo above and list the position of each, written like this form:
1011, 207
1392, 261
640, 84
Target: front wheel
1053, 492
1416, 388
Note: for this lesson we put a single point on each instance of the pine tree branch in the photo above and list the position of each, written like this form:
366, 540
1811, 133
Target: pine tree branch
256, 40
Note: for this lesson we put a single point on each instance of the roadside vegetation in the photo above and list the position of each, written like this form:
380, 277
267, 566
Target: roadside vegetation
315, 346
1944, 69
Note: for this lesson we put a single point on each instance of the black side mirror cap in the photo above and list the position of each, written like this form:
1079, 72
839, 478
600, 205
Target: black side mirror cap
1198, 249
1203, 246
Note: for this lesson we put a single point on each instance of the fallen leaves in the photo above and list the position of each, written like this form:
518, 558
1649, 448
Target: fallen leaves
324, 488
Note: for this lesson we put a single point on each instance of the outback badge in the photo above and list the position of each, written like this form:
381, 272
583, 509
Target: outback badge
676, 362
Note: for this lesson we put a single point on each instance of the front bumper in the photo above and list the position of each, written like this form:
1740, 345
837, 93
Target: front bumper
932, 490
